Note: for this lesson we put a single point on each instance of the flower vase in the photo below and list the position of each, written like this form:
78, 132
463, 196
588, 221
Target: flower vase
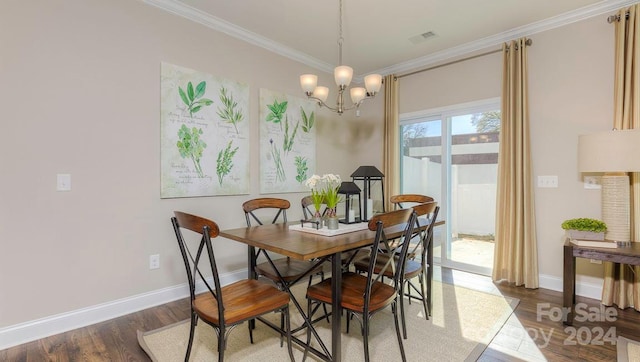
332, 219
317, 218
332, 222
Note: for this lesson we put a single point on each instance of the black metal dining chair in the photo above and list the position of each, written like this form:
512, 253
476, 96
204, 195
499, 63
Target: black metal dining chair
284, 272
222, 307
365, 295
416, 264
288, 270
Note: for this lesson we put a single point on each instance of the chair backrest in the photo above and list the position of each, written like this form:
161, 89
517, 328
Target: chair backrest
207, 230
398, 200
308, 209
426, 215
278, 206
393, 221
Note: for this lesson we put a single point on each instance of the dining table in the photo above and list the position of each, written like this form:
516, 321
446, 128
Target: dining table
300, 245
278, 238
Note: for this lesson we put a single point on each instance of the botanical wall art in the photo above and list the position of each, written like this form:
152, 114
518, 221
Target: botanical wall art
204, 134
287, 142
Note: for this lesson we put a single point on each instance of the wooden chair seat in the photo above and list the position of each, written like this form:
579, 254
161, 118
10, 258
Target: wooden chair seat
353, 286
289, 269
412, 267
242, 300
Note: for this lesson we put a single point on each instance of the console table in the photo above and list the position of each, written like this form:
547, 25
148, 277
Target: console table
625, 255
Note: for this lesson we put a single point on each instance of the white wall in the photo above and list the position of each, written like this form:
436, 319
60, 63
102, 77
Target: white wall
570, 93
80, 94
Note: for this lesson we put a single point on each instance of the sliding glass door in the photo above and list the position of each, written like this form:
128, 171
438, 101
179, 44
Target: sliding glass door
451, 154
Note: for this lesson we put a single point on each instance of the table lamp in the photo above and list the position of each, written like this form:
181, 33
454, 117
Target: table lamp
613, 153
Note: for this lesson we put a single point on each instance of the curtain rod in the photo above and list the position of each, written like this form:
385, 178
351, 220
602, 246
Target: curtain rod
613, 18
527, 42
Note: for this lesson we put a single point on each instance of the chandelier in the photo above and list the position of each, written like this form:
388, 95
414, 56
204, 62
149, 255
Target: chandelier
342, 75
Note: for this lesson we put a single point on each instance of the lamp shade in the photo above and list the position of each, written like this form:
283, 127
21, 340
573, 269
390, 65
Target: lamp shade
321, 93
343, 75
358, 94
373, 82
610, 151
308, 82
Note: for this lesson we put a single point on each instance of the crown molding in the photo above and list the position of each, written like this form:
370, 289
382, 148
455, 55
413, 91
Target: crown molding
496, 41
178, 8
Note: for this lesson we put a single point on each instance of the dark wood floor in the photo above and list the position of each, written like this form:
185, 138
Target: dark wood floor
116, 340
584, 341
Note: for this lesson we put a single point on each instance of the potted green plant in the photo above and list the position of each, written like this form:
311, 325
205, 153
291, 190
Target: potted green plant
585, 228
331, 198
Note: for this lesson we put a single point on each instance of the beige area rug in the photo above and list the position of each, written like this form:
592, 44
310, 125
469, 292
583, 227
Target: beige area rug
462, 324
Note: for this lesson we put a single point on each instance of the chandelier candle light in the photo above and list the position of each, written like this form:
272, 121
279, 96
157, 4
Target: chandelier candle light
343, 75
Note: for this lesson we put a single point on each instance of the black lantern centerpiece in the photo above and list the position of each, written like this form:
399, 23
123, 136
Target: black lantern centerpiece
366, 174
349, 190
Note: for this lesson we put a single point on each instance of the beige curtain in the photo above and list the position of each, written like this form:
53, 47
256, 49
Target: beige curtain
622, 282
391, 151
516, 255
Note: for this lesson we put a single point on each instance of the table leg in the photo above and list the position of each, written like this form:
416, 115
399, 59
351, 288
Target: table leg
251, 274
252, 263
324, 354
569, 284
336, 312
429, 272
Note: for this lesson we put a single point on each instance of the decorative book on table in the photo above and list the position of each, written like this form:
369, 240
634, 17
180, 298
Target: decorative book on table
594, 243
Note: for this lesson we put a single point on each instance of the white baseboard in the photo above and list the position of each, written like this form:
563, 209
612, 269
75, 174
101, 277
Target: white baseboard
44, 327
59, 323
585, 286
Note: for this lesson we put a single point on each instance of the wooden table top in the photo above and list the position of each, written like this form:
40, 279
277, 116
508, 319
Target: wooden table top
296, 244
304, 246
622, 254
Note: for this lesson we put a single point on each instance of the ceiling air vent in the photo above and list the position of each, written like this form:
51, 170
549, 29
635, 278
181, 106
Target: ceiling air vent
422, 37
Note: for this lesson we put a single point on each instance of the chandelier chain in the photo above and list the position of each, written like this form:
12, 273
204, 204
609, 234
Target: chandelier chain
340, 38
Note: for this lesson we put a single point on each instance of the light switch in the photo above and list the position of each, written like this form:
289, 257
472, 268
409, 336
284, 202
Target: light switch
64, 182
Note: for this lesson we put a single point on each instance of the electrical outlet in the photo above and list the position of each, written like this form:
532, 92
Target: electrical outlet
154, 261
548, 181
592, 182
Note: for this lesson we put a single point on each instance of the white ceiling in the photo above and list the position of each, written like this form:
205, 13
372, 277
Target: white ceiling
377, 33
